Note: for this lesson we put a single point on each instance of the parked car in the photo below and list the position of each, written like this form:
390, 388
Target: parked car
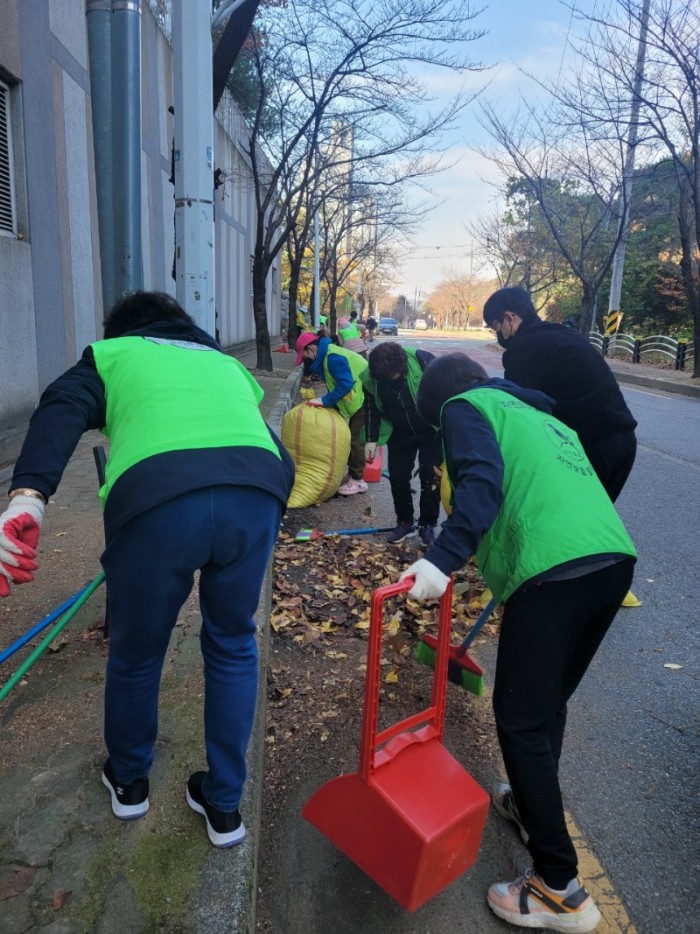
388, 326
421, 324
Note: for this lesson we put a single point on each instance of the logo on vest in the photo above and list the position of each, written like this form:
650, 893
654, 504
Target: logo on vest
563, 442
184, 345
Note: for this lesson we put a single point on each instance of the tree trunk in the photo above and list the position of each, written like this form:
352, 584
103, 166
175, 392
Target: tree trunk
293, 330
587, 308
689, 271
332, 310
262, 332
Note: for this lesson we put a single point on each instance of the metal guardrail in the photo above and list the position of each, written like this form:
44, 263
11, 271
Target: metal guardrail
666, 350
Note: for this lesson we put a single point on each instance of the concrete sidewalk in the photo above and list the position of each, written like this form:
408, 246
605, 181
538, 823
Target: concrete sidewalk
662, 379
66, 866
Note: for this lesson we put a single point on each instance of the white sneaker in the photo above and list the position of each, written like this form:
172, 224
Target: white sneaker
351, 486
529, 903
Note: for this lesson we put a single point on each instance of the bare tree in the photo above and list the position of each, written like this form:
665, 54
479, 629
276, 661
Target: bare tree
379, 219
324, 62
668, 101
573, 175
519, 252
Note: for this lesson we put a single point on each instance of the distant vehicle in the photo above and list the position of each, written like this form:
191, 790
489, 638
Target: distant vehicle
421, 324
388, 326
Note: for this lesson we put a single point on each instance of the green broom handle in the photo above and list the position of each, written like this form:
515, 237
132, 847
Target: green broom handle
46, 642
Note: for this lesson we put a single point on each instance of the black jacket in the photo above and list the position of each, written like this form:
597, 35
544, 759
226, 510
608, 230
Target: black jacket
75, 403
399, 407
565, 366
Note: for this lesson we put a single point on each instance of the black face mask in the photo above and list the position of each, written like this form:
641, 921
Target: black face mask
501, 339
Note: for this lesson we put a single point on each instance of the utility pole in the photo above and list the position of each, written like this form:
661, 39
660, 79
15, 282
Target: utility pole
126, 143
618, 263
194, 161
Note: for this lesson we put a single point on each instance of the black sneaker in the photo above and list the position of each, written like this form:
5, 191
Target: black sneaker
427, 534
129, 802
402, 531
225, 828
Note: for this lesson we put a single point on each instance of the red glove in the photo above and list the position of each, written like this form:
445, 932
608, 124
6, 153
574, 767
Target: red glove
20, 526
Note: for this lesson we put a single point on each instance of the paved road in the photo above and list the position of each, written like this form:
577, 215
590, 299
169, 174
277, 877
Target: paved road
630, 769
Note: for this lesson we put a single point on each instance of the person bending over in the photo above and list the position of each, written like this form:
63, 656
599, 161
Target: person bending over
528, 504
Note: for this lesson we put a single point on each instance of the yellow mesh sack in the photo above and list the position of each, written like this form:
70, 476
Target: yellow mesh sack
318, 440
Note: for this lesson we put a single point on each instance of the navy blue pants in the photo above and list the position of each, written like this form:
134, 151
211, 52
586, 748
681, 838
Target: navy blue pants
549, 635
227, 533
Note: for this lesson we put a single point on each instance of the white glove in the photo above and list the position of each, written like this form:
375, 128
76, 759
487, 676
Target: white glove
430, 583
370, 451
20, 525
314, 402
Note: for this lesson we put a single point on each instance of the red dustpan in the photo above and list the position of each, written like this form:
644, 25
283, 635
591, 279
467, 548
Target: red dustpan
373, 471
412, 817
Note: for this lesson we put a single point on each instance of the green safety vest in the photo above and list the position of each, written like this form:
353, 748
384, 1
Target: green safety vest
354, 400
167, 395
413, 377
526, 539
351, 332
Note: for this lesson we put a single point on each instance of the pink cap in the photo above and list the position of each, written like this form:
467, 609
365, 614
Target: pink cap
308, 337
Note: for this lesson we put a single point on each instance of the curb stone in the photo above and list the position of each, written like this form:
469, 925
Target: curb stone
227, 892
658, 382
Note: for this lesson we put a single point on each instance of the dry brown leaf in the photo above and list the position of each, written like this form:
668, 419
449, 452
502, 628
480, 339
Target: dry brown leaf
60, 897
21, 878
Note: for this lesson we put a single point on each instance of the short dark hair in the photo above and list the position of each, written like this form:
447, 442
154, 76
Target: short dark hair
388, 360
353, 315
514, 299
137, 309
443, 378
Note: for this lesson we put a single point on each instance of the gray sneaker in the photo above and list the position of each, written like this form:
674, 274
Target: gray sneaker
502, 800
402, 531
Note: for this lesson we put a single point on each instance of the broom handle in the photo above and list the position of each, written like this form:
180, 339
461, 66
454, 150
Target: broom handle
48, 639
478, 625
29, 635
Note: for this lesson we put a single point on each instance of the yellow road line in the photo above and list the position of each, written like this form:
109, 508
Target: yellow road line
592, 875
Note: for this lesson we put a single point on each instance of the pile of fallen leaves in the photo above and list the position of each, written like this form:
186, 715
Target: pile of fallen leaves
322, 591
320, 616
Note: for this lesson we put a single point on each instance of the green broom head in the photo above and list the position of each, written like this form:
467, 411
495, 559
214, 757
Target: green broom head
462, 670
307, 535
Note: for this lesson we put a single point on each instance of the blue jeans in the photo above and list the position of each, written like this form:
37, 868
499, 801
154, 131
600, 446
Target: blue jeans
227, 533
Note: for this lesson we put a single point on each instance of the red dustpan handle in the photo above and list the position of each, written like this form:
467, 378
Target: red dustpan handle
433, 715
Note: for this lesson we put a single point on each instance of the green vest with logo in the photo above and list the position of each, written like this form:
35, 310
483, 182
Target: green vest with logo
413, 377
167, 395
528, 536
354, 400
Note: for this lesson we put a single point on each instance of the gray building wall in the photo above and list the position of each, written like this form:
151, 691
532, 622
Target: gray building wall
50, 288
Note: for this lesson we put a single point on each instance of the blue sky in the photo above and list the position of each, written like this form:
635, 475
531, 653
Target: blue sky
527, 33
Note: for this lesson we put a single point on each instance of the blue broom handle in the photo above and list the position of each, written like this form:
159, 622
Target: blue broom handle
59, 611
478, 625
